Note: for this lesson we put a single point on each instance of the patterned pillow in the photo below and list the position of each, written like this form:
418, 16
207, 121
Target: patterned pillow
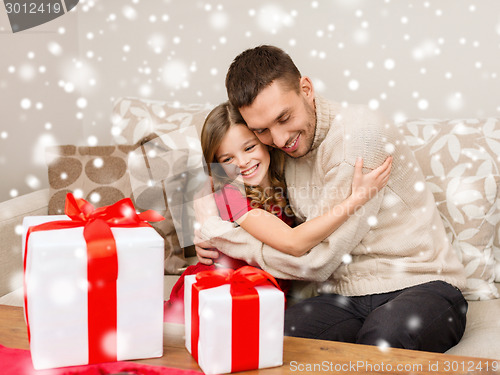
468, 208
454, 148
158, 181
458, 148
97, 174
134, 119
102, 175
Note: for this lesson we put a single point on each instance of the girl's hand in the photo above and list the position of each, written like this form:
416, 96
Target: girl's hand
366, 186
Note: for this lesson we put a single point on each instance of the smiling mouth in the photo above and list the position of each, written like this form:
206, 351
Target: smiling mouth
293, 144
250, 171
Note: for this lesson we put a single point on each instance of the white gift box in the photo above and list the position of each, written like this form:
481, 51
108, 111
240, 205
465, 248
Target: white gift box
216, 326
57, 295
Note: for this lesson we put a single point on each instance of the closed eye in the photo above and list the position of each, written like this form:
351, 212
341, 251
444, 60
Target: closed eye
259, 131
283, 120
249, 148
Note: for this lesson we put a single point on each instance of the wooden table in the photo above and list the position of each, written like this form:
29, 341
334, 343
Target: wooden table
301, 356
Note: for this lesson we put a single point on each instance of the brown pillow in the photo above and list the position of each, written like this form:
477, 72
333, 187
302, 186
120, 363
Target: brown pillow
97, 174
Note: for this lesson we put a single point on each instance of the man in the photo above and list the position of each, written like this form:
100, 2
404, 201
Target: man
388, 276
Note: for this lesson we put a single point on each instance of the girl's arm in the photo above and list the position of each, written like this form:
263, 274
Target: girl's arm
297, 241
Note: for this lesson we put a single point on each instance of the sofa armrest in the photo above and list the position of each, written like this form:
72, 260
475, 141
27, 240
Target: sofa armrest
12, 213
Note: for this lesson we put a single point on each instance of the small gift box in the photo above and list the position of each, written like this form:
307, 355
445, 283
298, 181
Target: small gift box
93, 284
234, 320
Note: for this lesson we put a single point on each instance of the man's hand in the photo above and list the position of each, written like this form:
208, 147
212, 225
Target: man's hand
205, 252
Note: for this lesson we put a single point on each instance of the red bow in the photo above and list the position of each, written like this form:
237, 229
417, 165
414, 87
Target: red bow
245, 311
102, 262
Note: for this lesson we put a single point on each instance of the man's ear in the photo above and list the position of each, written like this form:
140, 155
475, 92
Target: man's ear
306, 87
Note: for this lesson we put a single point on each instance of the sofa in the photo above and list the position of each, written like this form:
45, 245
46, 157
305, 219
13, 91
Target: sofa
156, 160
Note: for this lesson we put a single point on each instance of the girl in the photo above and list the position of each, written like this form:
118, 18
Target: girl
249, 185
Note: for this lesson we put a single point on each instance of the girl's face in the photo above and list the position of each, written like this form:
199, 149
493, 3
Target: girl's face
244, 157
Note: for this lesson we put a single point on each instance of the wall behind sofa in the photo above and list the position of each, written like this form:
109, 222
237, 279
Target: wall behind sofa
58, 81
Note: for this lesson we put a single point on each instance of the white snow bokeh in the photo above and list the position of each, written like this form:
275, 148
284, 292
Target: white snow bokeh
157, 42
70, 74
38, 152
414, 323
425, 50
383, 345
129, 12
347, 258
109, 342
272, 18
25, 103
455, 101
26, 72
219, 20
77, 75
33, 182
372, 221
389, 64
175, 74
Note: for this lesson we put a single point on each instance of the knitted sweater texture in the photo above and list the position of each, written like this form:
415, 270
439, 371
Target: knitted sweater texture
396, 240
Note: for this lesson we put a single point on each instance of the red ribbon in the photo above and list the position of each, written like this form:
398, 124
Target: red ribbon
102, 265
245, 311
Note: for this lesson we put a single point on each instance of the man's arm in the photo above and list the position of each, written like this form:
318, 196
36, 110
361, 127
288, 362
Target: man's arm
319, 263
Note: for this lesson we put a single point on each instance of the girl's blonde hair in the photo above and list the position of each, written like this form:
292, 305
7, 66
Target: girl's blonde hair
216, 126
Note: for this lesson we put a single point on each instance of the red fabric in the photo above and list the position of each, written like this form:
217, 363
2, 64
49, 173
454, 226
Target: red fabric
18, 362
231, 203
174, 307
102, 273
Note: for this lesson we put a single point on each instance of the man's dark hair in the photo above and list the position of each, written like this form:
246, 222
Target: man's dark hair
255, 69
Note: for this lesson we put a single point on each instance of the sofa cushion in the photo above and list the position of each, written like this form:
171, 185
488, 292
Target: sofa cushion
169, 134
467, 206
481, 332
12, 212
459, 148
102, 175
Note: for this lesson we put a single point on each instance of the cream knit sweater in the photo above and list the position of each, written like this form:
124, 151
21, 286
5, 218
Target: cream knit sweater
394, 241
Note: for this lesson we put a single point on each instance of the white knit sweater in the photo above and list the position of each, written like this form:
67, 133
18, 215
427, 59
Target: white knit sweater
394, 241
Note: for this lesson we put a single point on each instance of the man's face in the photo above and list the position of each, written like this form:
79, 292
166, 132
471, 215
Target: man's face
282, 118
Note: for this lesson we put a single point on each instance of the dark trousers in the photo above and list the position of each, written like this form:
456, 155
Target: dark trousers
429, 317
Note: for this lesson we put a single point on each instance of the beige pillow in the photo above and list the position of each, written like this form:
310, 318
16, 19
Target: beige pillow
456, 148
175, 127
468, 208
158, 180
134, 118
